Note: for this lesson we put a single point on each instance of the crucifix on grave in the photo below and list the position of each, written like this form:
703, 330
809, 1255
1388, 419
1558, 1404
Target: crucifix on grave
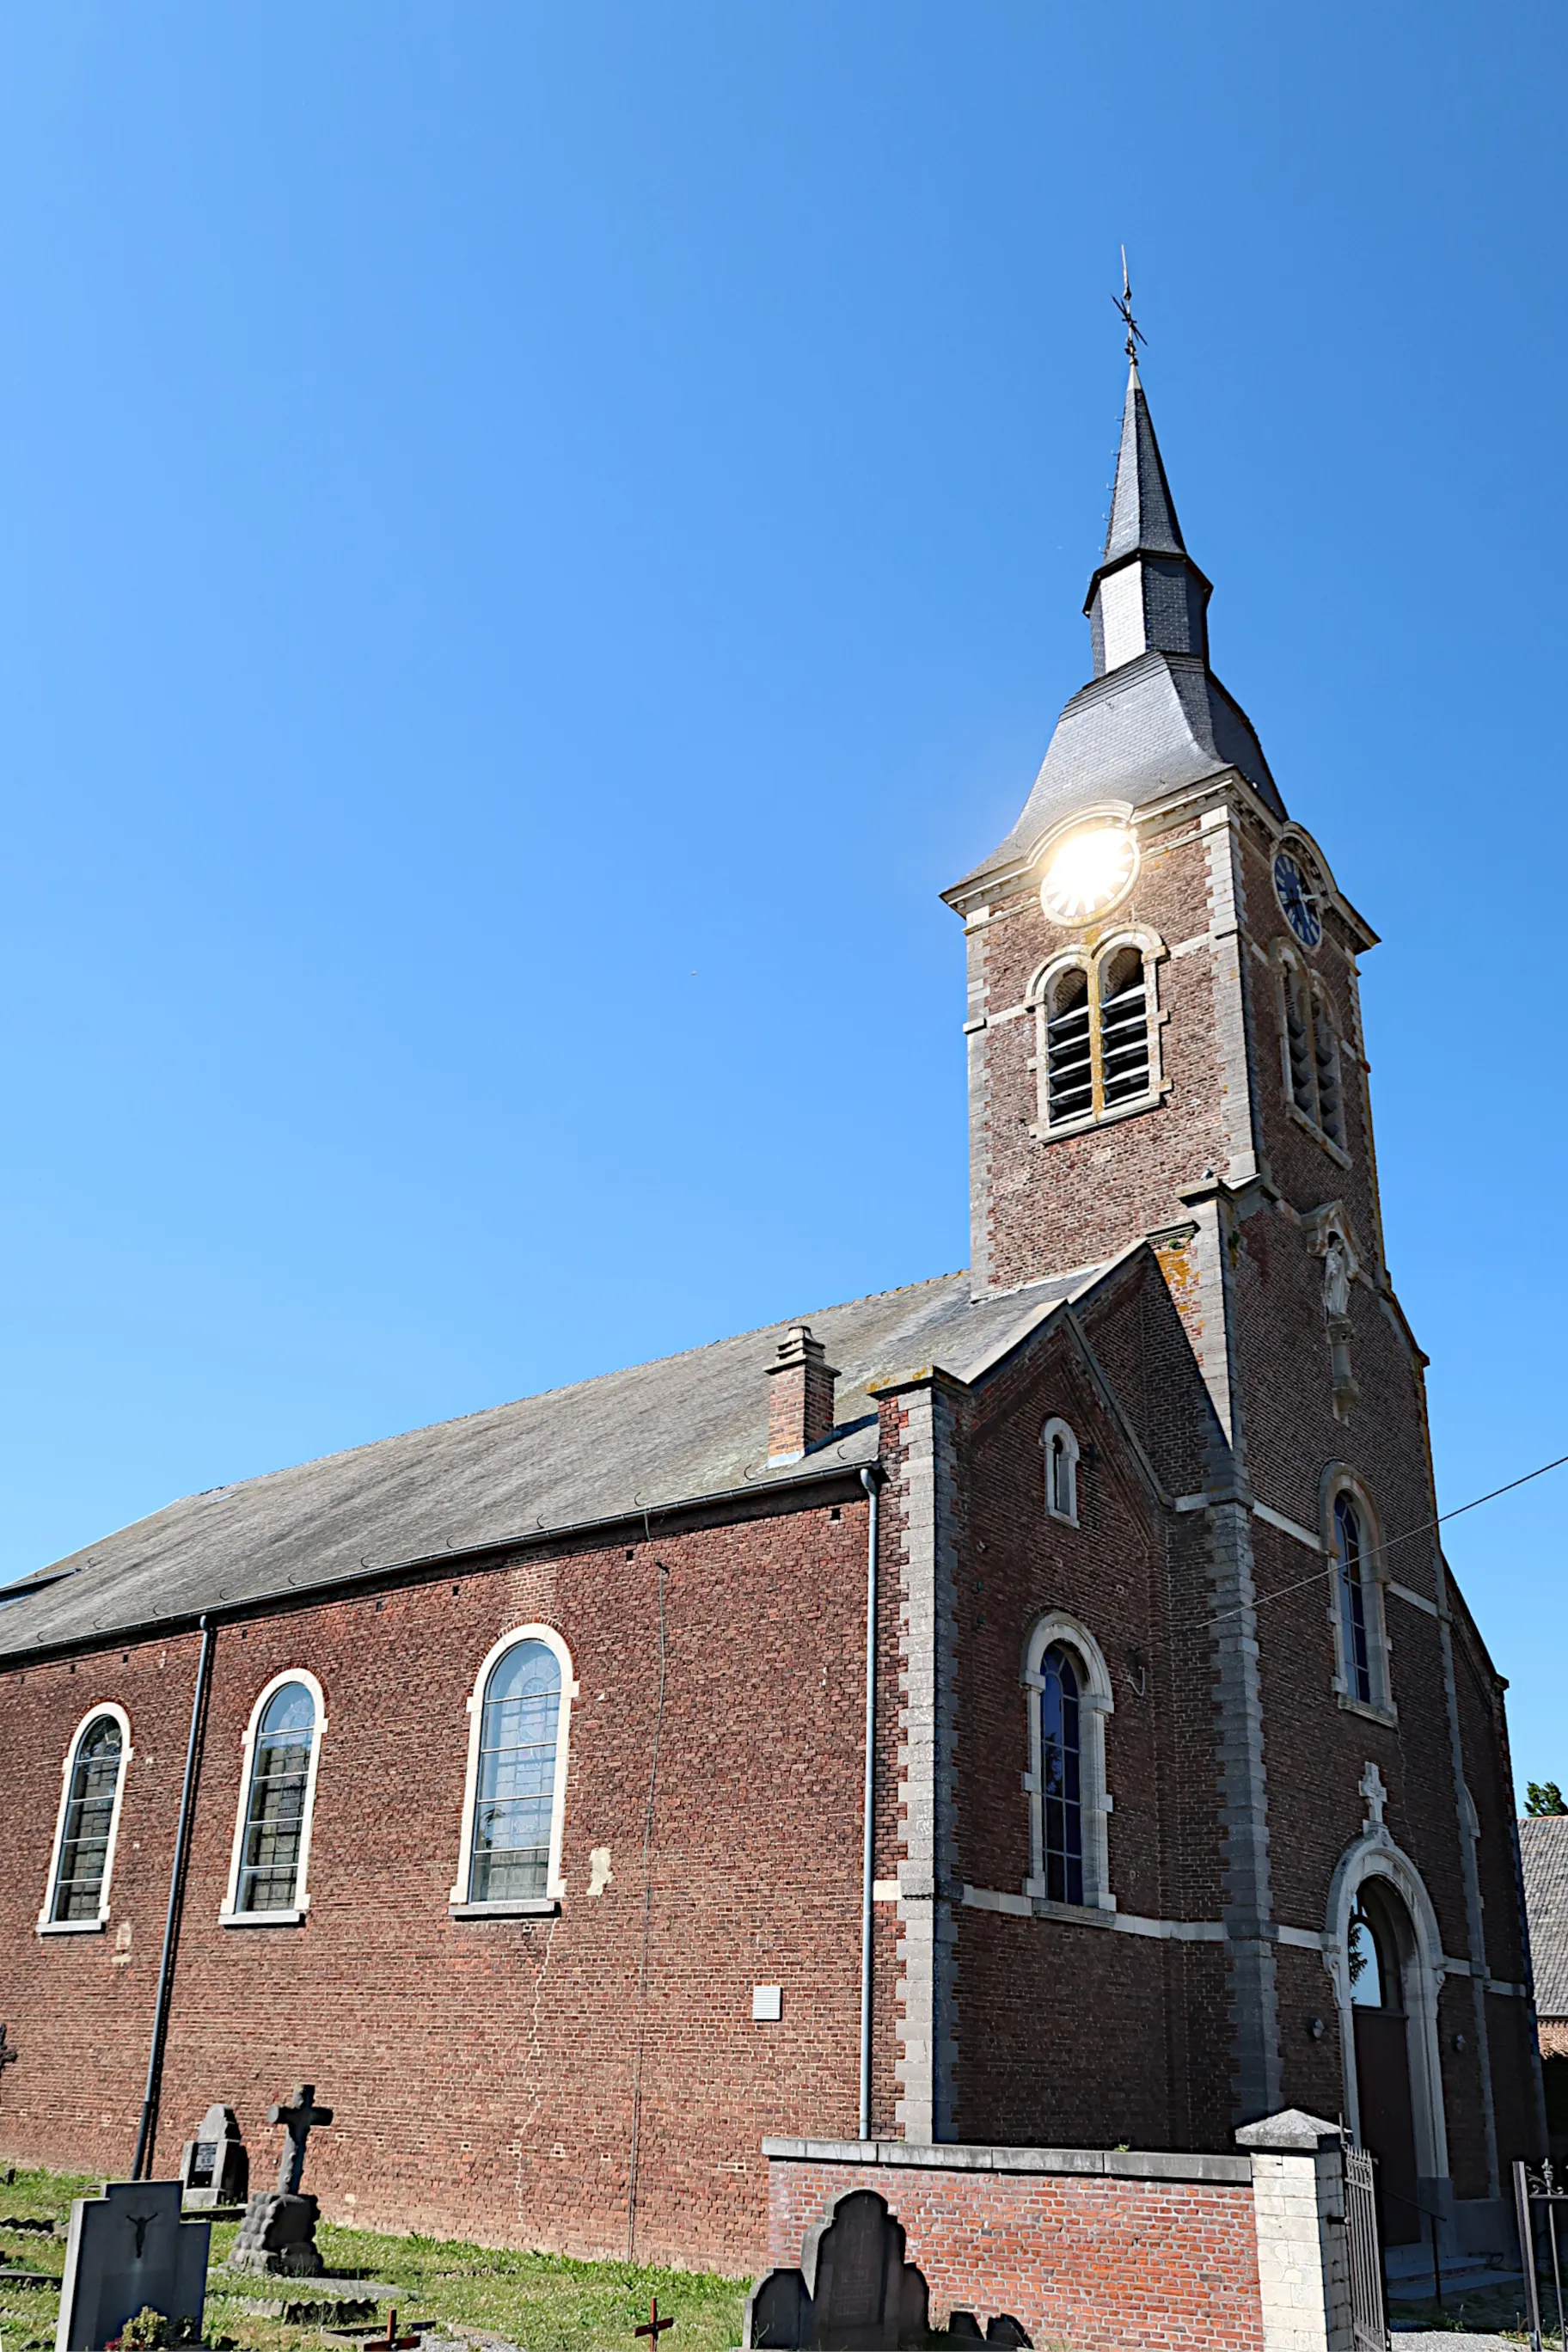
299, 2116
278, 2235
654, 2326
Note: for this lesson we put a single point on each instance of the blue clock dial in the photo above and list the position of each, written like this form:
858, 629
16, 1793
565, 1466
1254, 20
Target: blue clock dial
1297, 900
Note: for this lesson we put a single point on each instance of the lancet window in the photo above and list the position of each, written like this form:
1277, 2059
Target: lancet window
1358, 1611
1070, 1702
1059, 1447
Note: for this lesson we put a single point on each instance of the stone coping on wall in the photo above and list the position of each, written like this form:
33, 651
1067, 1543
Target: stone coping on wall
943, 2156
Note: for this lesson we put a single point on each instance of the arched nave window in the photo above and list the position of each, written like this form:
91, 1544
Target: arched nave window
1069, 1699
280, 1754
82, 1863
515, 1797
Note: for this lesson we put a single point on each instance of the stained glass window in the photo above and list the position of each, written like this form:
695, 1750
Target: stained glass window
1353, 1602
1061, 1778
515, 1796
275, 1811
89, 1810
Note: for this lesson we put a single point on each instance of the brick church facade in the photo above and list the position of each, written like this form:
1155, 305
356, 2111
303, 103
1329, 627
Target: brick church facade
512, 1776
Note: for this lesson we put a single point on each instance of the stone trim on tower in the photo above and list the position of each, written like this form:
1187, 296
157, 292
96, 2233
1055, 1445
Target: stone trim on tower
924, 1488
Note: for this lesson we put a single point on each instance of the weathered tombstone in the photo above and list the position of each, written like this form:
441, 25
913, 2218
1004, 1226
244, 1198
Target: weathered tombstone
127, 2250
854, 2292
278, 2235
213, 2167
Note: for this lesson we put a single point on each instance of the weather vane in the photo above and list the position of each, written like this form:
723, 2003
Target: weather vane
1123, 302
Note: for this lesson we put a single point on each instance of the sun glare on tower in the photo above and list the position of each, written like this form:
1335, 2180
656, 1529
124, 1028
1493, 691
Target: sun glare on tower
1087, 873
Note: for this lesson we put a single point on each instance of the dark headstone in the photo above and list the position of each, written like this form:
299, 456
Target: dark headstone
213, 2167
963, 2328
854, 2292
778, 2312
1004, 2329
128, 2249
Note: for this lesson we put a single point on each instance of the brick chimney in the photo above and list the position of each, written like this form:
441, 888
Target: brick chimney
800, 1395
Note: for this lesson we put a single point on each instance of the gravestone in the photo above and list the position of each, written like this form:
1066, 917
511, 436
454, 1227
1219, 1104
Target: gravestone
213, 2167
278, 2235
854, 2292
127, 2249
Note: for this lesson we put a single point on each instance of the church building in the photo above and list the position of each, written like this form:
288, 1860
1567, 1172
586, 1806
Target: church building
1030, 1708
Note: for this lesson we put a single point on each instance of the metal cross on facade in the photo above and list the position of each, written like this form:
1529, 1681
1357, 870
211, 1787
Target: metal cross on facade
301, 2115
1123, 302
654, 2327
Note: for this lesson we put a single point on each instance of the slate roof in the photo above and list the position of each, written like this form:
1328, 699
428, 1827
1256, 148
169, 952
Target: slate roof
683, 1429
1143, 511
1150, 726
1543, 1850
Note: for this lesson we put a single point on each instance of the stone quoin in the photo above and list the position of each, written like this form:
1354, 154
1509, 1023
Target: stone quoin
523, 1752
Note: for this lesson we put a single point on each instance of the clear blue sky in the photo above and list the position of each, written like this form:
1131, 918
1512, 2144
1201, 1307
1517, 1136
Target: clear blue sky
535, 540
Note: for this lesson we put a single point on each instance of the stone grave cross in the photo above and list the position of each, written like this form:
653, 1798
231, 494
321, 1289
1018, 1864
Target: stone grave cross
301, 2115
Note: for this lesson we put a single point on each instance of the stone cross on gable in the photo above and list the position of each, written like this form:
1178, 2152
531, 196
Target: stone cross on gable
301, 2115
1376, 1795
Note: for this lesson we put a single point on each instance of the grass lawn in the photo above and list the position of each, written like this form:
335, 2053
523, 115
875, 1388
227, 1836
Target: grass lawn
543, 2302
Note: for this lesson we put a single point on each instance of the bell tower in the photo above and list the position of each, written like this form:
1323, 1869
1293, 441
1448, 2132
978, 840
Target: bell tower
1162, 973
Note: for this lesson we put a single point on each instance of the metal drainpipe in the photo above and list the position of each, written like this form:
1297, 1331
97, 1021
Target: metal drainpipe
871, 1480
141, 2163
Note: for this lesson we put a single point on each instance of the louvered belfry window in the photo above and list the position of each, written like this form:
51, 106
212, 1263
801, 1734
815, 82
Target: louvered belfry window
1070, 1075
1298, 1042
1326, 1053
1098, 1037
1123, 1028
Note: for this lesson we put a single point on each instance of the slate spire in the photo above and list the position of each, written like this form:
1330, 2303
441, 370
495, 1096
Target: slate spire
1147, 595
1143, 511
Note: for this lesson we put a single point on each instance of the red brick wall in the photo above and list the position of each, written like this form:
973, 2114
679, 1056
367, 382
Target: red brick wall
1091, 2262
482, 2070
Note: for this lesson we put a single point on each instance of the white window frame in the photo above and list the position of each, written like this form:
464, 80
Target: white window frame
1096, 1702
45, 1924
1091, 962
1341, 1480
1056, 1431
227, 1914
518, 1906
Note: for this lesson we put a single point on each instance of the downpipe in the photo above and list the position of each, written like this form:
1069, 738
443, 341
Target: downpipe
142, 2162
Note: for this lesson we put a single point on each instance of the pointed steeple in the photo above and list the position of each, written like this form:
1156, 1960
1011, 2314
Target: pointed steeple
1147, 595
1143, 511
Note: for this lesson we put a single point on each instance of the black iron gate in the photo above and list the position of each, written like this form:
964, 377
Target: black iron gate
1536, 2194
1369, 2326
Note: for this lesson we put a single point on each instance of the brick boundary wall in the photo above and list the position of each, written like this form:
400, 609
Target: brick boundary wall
1087, 2248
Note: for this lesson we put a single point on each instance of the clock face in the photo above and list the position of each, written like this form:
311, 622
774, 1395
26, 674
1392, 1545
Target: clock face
1297, 899
1087, 873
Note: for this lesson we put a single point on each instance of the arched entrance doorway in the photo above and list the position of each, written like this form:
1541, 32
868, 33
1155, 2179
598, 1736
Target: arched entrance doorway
1380, 1949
